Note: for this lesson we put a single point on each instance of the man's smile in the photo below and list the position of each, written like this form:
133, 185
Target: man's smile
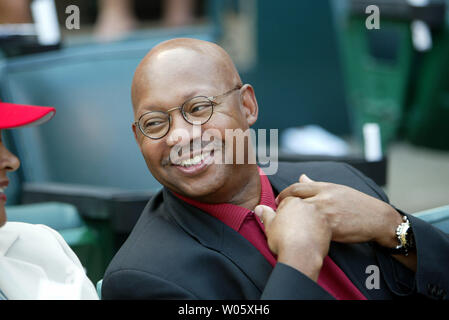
193, 156
195, 165
191, 161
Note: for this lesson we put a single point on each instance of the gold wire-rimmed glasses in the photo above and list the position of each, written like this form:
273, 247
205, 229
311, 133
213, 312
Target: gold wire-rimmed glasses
197, 110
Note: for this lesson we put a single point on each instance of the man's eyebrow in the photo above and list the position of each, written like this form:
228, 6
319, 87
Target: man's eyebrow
184, 98
191, 94
147, 108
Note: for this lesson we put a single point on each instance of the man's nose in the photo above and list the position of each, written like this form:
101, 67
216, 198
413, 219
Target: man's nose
182, 131
8, 161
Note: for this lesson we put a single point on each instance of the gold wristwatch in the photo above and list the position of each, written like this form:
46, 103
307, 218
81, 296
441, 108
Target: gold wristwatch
406, 240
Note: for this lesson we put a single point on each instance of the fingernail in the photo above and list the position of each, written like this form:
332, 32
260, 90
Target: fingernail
276, 200
258, 211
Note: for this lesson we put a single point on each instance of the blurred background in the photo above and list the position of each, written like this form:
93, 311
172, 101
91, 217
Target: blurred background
337, 84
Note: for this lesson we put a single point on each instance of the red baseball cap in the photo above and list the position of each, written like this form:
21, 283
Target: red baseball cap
18, 115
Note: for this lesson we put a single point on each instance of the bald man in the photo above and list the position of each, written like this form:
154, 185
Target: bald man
223, 229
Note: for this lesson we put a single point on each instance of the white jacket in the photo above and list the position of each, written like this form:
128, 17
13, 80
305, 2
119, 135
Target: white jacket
36, 263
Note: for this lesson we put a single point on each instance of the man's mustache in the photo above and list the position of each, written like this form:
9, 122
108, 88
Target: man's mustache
194, 147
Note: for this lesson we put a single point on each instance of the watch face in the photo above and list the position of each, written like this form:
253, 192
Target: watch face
401, 232
404, 234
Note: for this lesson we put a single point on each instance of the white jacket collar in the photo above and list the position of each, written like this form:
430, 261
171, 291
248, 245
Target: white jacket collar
7, 238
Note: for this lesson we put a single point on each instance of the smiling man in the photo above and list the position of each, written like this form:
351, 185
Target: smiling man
171, 75
225, 230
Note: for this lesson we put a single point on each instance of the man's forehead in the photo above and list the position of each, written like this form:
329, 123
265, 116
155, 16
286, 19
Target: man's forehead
169, 76
185, 61
178, 62
199, 46
172, 67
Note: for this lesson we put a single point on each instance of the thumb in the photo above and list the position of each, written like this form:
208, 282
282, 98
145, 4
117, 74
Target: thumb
266, 214
305, 178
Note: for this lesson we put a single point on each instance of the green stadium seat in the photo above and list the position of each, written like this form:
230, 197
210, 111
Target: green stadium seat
439, 217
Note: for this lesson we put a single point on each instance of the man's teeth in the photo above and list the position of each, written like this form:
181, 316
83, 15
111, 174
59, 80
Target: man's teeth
191, 162
2, 190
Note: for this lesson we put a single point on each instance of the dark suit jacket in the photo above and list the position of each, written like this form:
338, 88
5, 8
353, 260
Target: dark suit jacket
177, 251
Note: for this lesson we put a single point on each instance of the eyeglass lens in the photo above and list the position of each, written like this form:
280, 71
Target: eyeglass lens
196, 110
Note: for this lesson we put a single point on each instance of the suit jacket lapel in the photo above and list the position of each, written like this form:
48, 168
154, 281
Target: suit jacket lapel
217, 236
353, 259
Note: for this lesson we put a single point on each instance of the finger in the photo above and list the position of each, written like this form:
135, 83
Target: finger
265, 214
304, 178
301, 190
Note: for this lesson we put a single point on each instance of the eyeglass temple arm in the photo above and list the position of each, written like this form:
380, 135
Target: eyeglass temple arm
237, 87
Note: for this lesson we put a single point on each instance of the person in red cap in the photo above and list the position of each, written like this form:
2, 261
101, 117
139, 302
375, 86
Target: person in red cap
35, 261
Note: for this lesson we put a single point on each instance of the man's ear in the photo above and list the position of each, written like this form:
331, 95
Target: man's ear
136, 134
249, 104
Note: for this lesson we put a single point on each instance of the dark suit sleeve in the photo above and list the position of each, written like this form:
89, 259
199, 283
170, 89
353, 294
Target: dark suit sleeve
287, 283
135, 284
432, 248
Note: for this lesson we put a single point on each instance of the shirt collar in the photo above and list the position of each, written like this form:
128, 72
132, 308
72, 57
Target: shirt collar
233, 215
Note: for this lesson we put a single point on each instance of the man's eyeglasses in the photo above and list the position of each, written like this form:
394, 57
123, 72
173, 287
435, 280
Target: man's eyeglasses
196, 110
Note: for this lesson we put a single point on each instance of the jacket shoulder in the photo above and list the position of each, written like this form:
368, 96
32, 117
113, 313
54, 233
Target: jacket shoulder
327, 171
